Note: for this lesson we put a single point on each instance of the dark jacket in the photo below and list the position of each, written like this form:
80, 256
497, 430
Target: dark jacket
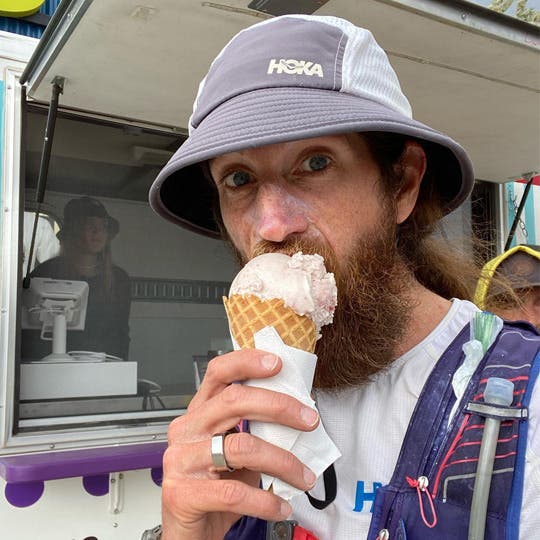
107, 315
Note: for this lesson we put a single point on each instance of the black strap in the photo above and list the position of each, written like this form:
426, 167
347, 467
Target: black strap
330, 490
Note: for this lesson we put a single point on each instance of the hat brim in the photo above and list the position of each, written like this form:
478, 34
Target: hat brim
182, 194
113, 227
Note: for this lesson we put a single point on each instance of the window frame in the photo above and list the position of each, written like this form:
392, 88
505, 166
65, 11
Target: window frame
52, 433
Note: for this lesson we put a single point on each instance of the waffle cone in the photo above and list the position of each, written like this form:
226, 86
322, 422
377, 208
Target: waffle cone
248, 314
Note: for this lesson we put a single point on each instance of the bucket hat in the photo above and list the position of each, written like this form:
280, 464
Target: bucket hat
522, 269
520, 266
288, 78
78, 209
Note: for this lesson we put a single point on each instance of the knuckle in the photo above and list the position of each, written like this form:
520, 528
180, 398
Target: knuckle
174, 462
177, 429
280, 403
168, 494
176, 424
289, 461
232, 492
212, 370
233, 393
176, 495
241, 444
168, 459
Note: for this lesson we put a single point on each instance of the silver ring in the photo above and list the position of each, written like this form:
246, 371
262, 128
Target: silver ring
218, 456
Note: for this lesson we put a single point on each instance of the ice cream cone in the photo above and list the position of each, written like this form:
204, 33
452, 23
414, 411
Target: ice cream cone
294, 296
248, 314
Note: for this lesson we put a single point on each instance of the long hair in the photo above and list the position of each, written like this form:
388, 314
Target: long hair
69, 248
435, 263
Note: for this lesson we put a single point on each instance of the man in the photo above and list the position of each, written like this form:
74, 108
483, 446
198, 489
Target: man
519, 265
302, 139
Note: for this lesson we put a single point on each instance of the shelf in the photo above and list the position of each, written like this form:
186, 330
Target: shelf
83, 462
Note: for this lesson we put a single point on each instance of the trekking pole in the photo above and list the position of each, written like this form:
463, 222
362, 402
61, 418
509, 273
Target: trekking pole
498, 393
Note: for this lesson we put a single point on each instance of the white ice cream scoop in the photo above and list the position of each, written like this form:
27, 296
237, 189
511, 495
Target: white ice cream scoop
301, 281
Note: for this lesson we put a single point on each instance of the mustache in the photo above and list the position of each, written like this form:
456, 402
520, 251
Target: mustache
294, 244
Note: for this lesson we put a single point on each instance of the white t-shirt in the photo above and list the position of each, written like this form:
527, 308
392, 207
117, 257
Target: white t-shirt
368, 425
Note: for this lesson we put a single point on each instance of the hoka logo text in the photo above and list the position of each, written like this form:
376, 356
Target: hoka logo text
295, 67
363, 496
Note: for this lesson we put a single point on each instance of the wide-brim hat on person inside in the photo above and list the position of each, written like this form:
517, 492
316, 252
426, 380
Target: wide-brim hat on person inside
288, 78
77, 210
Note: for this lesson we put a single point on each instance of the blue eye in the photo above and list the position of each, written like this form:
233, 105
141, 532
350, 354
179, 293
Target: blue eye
237, 179
317, 162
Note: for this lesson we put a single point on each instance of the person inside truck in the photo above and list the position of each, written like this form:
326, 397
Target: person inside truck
85, 254
302, 139
520, 266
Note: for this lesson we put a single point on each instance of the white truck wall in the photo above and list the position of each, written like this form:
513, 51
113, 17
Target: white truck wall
67, 511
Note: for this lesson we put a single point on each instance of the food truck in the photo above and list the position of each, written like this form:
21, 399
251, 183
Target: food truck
94, 108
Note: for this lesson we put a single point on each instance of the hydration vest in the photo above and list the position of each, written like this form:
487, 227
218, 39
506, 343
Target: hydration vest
430, 493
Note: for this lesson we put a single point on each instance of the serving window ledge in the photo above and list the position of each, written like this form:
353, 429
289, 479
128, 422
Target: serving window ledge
84, 462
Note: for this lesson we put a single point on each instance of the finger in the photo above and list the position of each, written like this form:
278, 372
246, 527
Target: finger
199, 497
232, 367
236, 402
241, 451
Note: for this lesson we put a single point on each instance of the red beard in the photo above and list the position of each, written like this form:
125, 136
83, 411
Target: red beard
372, 312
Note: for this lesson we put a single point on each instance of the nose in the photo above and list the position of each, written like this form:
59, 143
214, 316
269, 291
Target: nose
279, 214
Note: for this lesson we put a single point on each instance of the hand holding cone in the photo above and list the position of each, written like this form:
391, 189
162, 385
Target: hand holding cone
288, 299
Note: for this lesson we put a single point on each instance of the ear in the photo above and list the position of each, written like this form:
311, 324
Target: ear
413, 166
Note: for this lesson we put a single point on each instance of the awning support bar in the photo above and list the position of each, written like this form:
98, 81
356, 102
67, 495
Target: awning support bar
57, 89
529, 177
